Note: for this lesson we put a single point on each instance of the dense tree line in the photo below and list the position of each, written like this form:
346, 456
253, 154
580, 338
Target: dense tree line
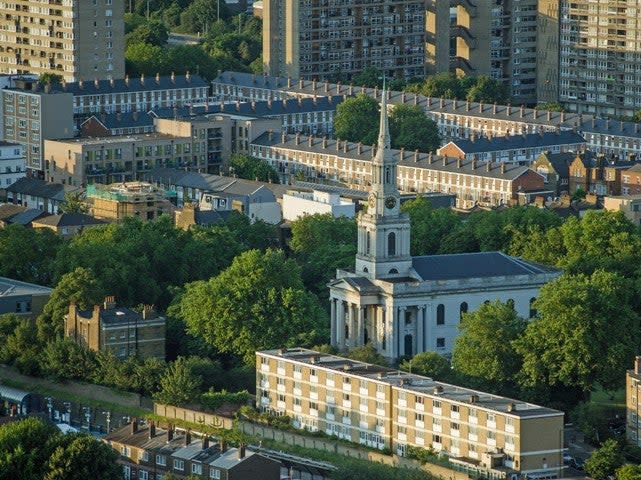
32, 449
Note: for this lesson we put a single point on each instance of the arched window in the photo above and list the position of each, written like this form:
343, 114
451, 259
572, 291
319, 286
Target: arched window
387, 175
393, 271
391, 244
365, 270
463, 309
368, 241
440, 314
533, 311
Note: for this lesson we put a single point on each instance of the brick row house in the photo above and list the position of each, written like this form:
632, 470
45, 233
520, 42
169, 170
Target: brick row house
595, 173
321, 159
151, 453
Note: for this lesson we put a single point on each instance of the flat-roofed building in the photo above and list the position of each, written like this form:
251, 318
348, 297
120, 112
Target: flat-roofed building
491, 435
118, 201
22, 298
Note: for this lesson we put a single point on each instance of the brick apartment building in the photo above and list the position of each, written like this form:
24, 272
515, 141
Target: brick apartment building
120, 330
490, 435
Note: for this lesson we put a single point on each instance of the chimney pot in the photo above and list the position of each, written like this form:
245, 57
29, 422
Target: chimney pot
152, 429
170, 433
134, 425
241, 451
637, 364
324, 141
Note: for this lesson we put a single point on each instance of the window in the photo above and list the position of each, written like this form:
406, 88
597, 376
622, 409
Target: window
124, 451
440, 314
196, 468
143, 456
214, 473
440, 342
143, 475
455, 408
161, 460
436, 438
436, 403
463, 309
391, 244
179, 464
533, 311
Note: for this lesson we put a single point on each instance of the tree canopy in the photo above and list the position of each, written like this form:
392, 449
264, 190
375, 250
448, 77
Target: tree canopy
429, 364
411, 129
257, 303
356, 119
605, 460
251, 168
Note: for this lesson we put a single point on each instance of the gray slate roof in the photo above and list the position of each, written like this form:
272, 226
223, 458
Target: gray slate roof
9, 286
512, 142
37, 188
26, 217
70, 220
511, 171
474, 265
134, 84
561, 162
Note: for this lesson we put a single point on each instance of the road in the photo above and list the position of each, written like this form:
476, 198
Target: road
182, 39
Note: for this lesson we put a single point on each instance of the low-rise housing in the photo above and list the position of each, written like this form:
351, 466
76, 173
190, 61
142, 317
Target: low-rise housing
490, 435
595, 173
298, 204
630, 205
117, 201
12, 163
321, 160
37, 194
523, 149
150, 453
67, 224
120, 330
22, 298
555, 170
633, 403
631, 180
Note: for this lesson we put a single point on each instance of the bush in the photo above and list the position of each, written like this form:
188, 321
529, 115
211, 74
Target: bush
214, 400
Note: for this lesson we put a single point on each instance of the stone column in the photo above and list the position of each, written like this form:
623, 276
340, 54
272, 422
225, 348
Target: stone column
340, 325
392, 328
420, 328
353, 332
360, 329
333, 339
400, 322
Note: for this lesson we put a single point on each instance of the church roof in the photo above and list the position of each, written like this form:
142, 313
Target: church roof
474, 265
362, 284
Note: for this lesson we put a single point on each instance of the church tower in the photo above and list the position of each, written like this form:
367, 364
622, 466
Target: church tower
383, 231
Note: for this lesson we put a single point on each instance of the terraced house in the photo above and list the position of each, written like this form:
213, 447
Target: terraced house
383, 408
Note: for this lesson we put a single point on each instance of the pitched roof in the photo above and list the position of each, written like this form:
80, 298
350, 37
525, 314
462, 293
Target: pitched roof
69, 220
131, 84
511, 142
8, 210
561, 162
475, 265
9, 286
343, 149
37, 188
28, 216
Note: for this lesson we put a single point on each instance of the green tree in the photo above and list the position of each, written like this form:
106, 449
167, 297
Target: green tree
321, 244
32, 264
488, 90
74, 203
585, 333
79, 286
604, 461
551, 107
144, 58
370, 77
429, 225
356, 119
257, 303
251, 168
179, 385
152, 32
628, 472
429, 364
368, 354
484, 348
637, 116
200, 13
79, 456
24, 449
22, 348
64, 359
49, 78
412, 129
444, 84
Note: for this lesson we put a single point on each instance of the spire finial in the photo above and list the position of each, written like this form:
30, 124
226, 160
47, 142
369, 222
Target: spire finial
383, 130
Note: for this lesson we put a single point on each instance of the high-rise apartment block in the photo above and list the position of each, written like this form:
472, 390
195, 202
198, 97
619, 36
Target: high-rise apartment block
338, 39
74, 38
600, 56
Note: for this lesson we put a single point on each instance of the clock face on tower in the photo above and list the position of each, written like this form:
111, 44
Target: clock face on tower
390, 202
372, 201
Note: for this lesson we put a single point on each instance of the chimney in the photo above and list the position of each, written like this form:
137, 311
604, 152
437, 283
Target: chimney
187, 438
297, 138
222, 106
535, 113
474, 160
284, 104
283, 137
511, 407
359, 148
593, 122
522, 111
621, 127
402, 154
345, 146
148, 312
375, 92
562, 117
188, 76
351, 90
81, 83
310, 141
63, 83
607, 124
270, 134
152, 429
237, 105
241, 451
430, 157
338, 88
637, 364
445, 161
205, 442
324, 141
326, 86
636, 128
441, 103
455, 102
314, 85
474, 398
253, 104
134, 425
96, 83
549, 116
480, 107
494, 109
142, 79
110, 302
314, 99
223, 445
289, 82
509, 109
503, 167
127, 80
488, 165
157, 78
170, 433
416, 100
403, 97
467, 105
459, 163
301, 83
173, 77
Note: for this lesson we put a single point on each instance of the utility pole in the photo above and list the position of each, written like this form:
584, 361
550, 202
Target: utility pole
218, 10
147, 10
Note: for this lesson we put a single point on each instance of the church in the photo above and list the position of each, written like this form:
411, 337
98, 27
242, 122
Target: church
404, 305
